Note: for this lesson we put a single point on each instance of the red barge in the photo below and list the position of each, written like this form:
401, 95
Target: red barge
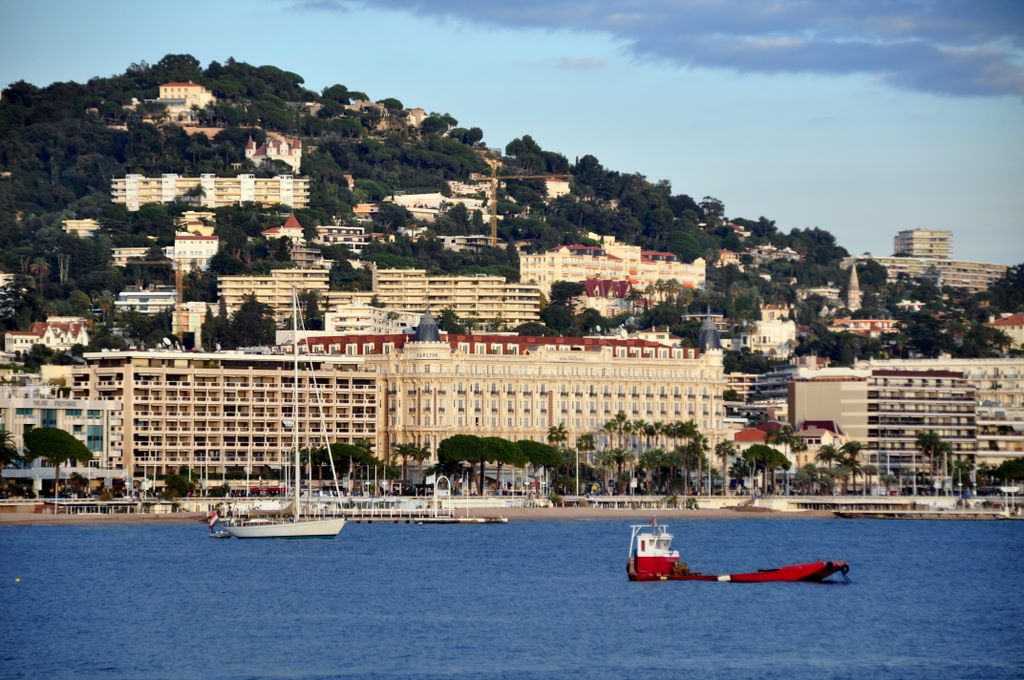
652, 558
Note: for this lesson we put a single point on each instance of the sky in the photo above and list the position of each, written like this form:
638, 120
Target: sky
856, 116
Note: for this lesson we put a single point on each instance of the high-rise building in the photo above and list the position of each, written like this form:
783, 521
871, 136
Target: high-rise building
931, 243
885, 409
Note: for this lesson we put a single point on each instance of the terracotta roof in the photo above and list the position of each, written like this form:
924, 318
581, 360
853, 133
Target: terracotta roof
751, 434
830, 425
1012, 320
292, 223
188, 84
606, 288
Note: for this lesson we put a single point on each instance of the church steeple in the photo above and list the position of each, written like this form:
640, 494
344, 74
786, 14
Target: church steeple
854, 298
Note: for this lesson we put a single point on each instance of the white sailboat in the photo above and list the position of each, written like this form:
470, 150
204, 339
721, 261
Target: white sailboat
295, 526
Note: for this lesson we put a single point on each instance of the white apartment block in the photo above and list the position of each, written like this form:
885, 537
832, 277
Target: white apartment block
147, 301
930, 243
774, 334
192, 252
610, 260
274, 290
97, 423
134, 191
227, 411
427, 207
83, 228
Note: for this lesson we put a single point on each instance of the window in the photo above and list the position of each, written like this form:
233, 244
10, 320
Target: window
94, 438
94, 413
23, 411
49, 417
76, 412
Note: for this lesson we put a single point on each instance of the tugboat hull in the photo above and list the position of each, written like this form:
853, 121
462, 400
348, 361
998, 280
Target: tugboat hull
809, 572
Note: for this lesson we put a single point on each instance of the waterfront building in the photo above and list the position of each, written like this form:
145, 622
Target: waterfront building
97, 423
999, 390
210, 191
885, 409
929, 243
432, 385
612, 261
227, 411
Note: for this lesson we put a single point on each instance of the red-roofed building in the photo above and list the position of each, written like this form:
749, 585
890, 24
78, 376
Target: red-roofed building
1012, 325
608, 298
276, 148
291, 230
57, 332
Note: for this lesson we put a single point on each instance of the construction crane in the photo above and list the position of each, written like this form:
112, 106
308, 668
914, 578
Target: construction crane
492, 200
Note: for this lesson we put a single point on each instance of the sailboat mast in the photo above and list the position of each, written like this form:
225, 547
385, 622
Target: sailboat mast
295, 398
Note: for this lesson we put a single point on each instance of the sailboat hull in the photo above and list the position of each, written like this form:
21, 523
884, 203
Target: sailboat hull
314, 528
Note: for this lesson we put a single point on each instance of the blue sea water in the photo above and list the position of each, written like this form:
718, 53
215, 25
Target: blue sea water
523, 600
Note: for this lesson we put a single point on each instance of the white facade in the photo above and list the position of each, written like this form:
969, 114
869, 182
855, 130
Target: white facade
192, 252
135, 191
96, 423
59, 333
352, 237
146, 301
81, 228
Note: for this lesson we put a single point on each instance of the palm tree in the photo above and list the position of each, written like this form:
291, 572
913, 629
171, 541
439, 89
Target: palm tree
851, 459
725, 450
827, 455
616, 426
931, 446
8, 451
788, 439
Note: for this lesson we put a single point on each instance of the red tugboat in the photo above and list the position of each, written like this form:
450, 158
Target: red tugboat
652, 558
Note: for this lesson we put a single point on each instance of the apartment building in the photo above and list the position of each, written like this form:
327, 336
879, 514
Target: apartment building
479, 297
198, 222
610, 260
885, 409
97, 423
975, 277
227, 411
84, 228
274, 289
999, 390
431, 386
353, 237
185, 95
146, 300
123, 257
930, 243
210, 191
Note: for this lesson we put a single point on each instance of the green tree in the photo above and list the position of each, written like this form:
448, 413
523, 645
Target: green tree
725, 450
465, 448
932, 448
56, 447
765, 459
253, 324
8, 451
